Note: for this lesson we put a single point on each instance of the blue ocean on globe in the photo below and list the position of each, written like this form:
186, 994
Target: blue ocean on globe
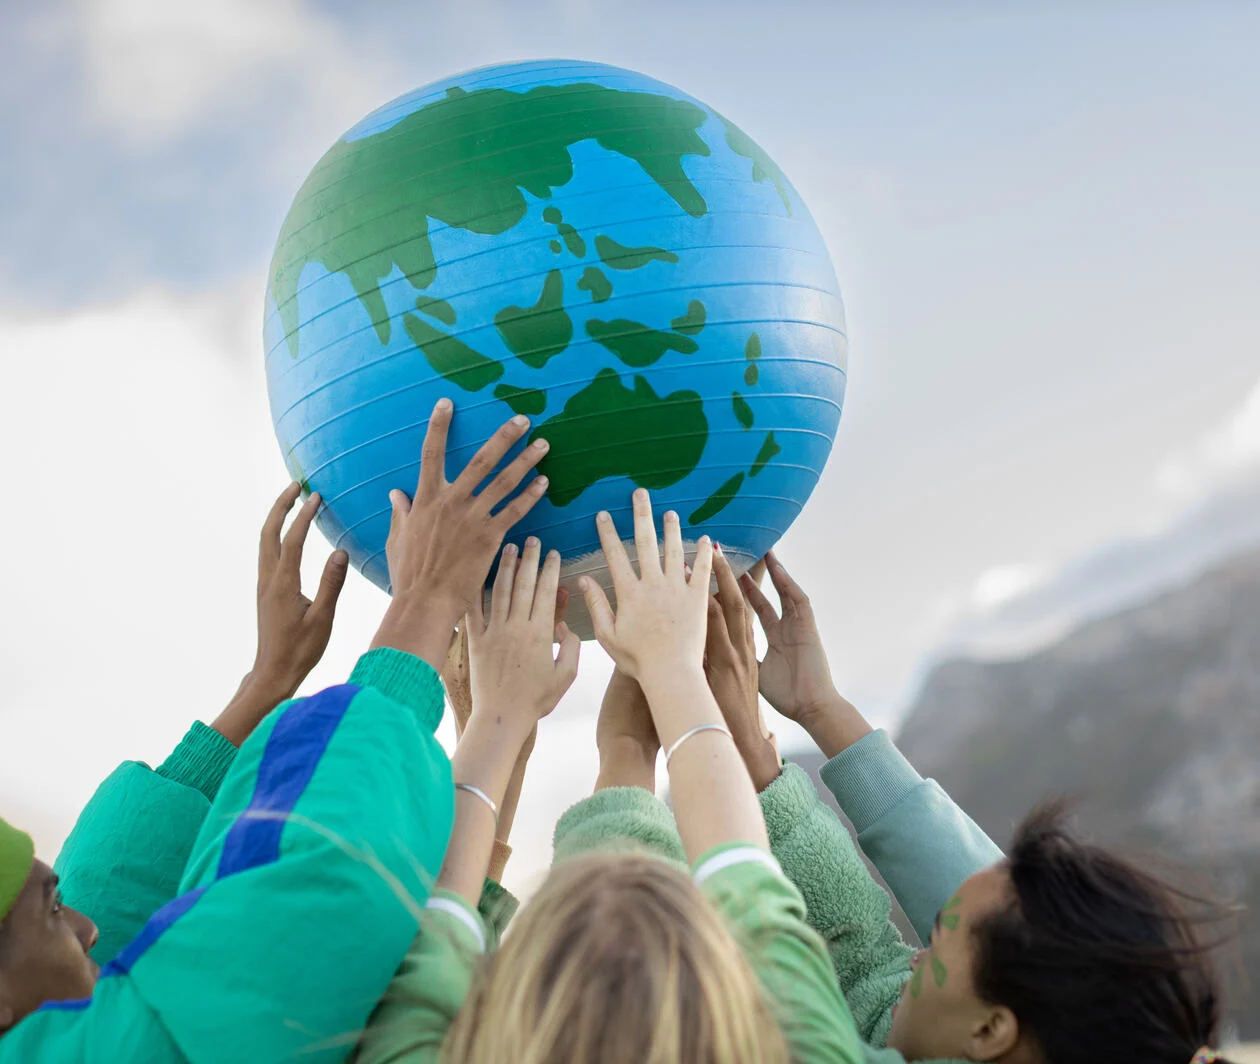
579, 243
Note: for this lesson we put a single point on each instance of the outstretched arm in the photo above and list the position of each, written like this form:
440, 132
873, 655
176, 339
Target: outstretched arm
922, 843
124, 858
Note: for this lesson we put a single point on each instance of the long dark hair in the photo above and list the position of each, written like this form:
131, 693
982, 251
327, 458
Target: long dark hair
1100, 961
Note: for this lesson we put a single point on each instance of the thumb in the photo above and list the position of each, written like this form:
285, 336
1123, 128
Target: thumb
570, 651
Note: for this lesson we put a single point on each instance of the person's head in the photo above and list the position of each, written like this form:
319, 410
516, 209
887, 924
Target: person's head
620, 959
43, 944
1063, 952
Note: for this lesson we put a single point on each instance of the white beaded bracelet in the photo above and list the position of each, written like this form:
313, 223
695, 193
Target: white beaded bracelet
482, 795
694, 731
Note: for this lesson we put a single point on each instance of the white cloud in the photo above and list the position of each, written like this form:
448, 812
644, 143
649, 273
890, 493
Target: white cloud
1220, 457
155, 67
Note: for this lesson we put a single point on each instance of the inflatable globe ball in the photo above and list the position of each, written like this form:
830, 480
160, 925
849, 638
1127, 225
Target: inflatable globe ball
574, 242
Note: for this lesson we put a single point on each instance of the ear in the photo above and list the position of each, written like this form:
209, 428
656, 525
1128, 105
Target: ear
994, 1036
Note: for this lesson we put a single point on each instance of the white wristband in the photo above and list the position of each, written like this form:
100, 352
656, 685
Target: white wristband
688, 734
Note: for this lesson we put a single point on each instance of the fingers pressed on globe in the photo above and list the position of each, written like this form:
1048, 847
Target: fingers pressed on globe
675, 556
511, 475
645, 543
482, 464
504, 579
526, 580
433, 452
545, 609
702, 564
615, 557
295, 538
269, 541
520, 506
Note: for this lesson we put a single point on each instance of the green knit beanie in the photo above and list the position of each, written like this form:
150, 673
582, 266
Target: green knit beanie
17, 858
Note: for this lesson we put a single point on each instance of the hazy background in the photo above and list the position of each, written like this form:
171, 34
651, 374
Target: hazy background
1044, 220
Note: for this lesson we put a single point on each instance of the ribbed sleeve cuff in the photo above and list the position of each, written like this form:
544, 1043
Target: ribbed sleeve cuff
869, 778
787, 802
405, 679
200, 761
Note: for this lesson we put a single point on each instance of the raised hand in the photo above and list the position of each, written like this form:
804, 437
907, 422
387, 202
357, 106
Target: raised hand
514, 674
794, 675
515, 679
730, 666
660, 617
293, 631
443, 540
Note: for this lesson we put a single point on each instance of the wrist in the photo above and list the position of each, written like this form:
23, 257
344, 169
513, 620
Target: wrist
422, 629
834, 724
762, 761
263, 684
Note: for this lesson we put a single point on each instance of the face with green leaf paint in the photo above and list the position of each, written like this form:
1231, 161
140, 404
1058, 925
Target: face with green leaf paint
940, 1016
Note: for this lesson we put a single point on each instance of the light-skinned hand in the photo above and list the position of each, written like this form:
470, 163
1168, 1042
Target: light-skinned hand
730, 666
514, 672
659, 624
293, 631
443, 540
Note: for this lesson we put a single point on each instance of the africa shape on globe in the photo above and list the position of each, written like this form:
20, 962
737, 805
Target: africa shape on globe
580, 244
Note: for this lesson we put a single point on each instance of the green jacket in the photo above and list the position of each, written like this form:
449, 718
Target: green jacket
763, 910
125, 857
300, 896
920, 841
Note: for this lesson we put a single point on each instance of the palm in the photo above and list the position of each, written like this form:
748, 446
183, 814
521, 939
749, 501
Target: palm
794, 676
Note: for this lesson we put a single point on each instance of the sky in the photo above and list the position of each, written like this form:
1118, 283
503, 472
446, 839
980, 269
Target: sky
1043, 218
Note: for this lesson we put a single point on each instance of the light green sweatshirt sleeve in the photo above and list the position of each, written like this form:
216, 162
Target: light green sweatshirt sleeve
922, 843
844, 903
766, 915
412, 1019
123, 860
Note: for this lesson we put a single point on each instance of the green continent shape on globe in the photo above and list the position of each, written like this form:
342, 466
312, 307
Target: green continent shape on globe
536, 334
763, 167
467, 161
609, 430
636, 344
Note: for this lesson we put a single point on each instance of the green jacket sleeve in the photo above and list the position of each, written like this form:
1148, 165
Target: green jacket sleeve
411, 1021
302, 895
844, 903
619, 817
124, 858
766, 914
922, 843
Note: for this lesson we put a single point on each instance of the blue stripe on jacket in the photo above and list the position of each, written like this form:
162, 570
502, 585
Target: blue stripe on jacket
294, 749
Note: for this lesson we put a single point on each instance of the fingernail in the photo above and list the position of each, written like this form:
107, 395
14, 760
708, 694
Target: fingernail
553, 555
603, 515
671, 515
704, 540
510, 550
541, 445
521, 421
443, 404
640, 494
540, 483
717, 548
532, 543
341, 558
314, 499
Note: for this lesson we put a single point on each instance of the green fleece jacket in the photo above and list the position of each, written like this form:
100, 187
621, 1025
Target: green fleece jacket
922, 843
124, 858
762, 909
300, 897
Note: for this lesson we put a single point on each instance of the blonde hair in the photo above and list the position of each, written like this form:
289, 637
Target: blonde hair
619, 959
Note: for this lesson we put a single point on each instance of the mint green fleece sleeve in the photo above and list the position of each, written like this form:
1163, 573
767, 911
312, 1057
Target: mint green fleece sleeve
922, 843
410, 1023
302, 895
124, 858
619, 818
845, 906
